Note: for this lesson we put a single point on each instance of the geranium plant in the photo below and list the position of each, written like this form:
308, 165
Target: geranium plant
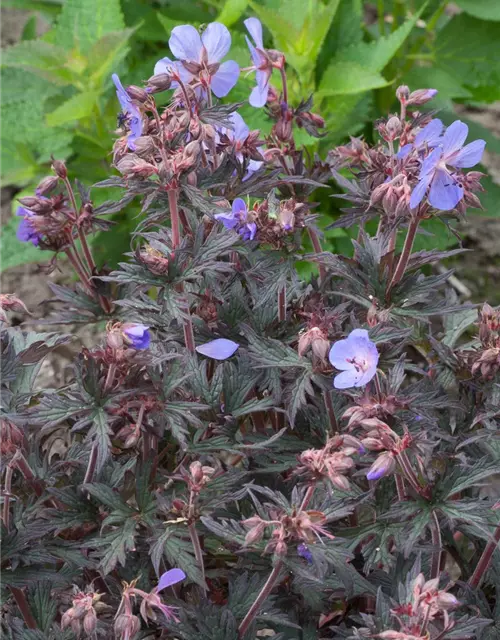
246, 454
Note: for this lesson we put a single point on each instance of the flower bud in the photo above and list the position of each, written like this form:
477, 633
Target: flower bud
114, 339
29, 201
394, 127
127, 625
47, 185
378, 193
283, 129
158, 83
67, 618
144, 145
281, 548
137, 93
90, 622
384, 465
421, 96
60, 168
191, 153
196, 471
402, 93
255, 534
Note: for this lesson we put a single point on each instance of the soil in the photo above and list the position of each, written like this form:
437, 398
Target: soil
478, 270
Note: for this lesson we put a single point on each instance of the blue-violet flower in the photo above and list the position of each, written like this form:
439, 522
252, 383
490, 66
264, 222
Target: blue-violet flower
136, 335
445, 190
357, 358
25, 231
261, 63
238, 220
199, 58
131, 110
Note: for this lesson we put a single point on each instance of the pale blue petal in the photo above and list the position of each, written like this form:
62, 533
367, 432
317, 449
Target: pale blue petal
430, 162
227, 219
445, 192
185, 43
217, 41
258, 97
219, 349
418, 193
454, 137
239, 207
430, 133
167, 579
346, 379
404, 151
469, 156
254, 28
241, 130
341, 351
225, 78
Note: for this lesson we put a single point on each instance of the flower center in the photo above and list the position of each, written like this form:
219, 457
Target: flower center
360, 364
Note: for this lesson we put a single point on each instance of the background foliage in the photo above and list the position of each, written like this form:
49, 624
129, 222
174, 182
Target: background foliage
58, 97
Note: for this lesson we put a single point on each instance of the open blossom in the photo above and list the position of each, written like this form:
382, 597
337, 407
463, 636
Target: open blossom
132, 112
238, 136
262, 65
219, 349
26, 231
199, 58
238, 220
136, 335
357, 358
152, 600
445, 190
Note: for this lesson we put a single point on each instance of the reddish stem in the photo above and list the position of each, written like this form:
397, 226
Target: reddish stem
437, 544
264, 593
174, 218
485, 560
22, 603
198, 553
307, 497
6, 496
313, 234
334, 427
405, 254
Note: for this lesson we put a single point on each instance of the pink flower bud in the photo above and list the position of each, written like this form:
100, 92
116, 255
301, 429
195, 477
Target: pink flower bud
47, 185
126, 625
90, 622
161, 82
421, 96
60, 168
402, 93
114, 339
196, 471
384, 465
137, 93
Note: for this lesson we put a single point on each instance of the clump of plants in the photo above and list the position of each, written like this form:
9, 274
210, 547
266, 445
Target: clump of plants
247, 454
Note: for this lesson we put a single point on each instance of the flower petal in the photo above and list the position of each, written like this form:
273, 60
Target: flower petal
445, 192
167, 579
217, 41
122, 95
418, 193
185, 43
454, 137
341, 351
258, 97
430, 133
225, 78
430, 162
257, 58
227, 219
219, 349
346, 379
404, 151
239, 207
254, 28
241, 129
163, 66
469, 156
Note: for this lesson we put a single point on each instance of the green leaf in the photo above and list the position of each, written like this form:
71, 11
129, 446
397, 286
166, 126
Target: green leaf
29, 29
117, 544
346, 77
99, 433
484, 9
107, 54
82, 23
76, 108
39, 57
43, 605
232, 11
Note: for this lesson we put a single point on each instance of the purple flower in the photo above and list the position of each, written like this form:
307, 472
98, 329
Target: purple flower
132, 111
383, 466
356, 357
430, 135
25, 231
220, 349
198, 57
170, 577
238, 135
136, 335
303, 552
445, 190
238, 220
261, 65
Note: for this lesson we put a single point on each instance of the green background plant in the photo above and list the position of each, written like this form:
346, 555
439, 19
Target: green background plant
57, 95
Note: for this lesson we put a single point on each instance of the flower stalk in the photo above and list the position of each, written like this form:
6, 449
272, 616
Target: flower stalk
260, 599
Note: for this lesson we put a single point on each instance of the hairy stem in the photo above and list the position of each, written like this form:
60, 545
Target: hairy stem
7, 488
22, 464
77, 265
400, 487
174, 218
405, 254
307, 497
485, 560
285, 85
198, 553
282, 304
334, 427
437, 544
313, 234
110, 376
89, 473
408, 471
22, 603
260, 599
